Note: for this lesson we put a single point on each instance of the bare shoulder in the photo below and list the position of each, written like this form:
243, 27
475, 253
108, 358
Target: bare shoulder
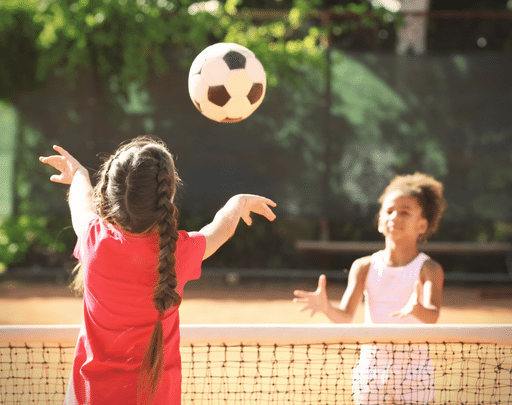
431, 270
360, 267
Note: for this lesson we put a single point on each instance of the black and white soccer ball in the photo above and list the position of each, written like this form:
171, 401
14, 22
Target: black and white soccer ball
227, 82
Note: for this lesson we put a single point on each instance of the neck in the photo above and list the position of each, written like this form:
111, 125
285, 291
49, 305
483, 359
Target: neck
398, 254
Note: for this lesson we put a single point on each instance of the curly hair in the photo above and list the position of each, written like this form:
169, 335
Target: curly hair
429, 193
135, 191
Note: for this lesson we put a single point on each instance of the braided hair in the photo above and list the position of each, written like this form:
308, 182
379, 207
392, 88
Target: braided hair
135, 191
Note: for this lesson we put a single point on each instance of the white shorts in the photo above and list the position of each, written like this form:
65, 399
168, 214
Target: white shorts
377, 380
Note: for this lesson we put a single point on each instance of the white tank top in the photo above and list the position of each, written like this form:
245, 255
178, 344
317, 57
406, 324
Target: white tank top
388, 289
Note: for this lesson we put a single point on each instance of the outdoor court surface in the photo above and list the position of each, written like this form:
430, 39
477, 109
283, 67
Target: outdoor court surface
214, 301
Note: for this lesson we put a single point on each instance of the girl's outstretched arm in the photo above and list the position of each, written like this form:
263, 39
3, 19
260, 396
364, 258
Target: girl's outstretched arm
317, 301
226, 220
80, 190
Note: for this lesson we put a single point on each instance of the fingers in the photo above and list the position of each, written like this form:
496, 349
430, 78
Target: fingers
302, 297
258, 205
247, 219
265, 200
322, 283
57, 162
308, 299
66, 164
418, 286
61, 158
63, 152
261, 206
301, 294
59, 179
53, 161
268, 213
306, 307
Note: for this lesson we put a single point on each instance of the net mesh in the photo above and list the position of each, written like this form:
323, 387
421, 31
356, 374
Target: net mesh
323, 373
34, 374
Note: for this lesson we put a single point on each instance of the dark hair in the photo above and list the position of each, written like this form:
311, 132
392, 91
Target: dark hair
429, 193
135, 191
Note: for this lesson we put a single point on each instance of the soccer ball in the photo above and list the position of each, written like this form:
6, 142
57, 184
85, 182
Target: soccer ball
227, 82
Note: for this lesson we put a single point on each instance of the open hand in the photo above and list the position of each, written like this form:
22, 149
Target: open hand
258, 205
314, 301
66, 164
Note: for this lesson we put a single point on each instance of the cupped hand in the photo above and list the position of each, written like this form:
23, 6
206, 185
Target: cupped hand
413, 301
66, 164
258, 205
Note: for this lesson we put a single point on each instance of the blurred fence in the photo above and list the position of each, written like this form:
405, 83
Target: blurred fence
444, 114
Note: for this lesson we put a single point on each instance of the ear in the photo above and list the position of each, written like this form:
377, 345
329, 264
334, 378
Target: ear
380, 226
422, 225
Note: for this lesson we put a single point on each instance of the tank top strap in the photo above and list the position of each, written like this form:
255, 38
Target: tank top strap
419, 260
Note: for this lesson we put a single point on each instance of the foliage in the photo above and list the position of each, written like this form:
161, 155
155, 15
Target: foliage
347, 159
348, 149
34, 194
115, 37
19, 49
42, 239
129, 39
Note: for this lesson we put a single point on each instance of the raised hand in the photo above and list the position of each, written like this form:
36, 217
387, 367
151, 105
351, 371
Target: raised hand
315, 301
258, 205
227, 218
66, 164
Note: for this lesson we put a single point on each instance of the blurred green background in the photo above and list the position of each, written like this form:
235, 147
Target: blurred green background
342, 115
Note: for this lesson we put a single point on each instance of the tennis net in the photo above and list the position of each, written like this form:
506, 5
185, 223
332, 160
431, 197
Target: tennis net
287, 364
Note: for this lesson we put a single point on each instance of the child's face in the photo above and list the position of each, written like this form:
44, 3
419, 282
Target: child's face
401, 217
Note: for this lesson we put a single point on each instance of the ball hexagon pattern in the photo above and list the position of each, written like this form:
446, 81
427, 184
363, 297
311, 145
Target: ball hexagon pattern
227, 82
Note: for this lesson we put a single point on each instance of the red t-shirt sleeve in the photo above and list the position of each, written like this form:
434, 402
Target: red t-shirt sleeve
90, 235
189, 254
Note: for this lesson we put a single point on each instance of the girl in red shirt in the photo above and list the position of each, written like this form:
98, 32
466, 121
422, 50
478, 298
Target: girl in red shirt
134, 265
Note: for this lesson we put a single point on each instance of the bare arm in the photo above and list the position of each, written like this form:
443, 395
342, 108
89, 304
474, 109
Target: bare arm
318, 301
226, 220
80, 201
80, 190
430, 285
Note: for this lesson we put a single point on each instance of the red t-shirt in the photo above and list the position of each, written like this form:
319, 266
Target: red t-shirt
120, 275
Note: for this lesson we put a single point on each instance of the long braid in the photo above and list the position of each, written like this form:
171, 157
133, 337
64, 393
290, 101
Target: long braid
100, 191
101, 188
165, 294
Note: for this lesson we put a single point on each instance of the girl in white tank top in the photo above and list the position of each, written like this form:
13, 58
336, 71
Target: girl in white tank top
402, 374
400, 285
382, 279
